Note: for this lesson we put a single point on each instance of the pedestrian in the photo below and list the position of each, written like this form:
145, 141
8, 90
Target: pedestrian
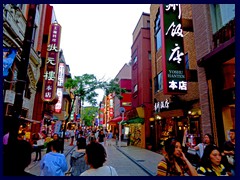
175, 162
59, 141
77, 160
36, 146
109, 138
210, 164
207, 140
81, 141
229, 151
21, 158
95, 157
117, 136
101, 138
91, 138
53, 163
72, 134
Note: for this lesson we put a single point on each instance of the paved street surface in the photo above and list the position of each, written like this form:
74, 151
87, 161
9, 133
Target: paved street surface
127, 160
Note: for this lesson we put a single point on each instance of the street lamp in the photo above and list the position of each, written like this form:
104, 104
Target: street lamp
121, 110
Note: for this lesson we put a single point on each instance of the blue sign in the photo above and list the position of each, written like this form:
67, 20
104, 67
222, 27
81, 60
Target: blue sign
9, 55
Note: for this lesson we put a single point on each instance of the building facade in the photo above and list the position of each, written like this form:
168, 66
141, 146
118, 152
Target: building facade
174, 113
214, 32
138, 117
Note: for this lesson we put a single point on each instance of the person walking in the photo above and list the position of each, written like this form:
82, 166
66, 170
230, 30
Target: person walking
72, 134
109, 138
101, 138
95, 157
53, 163
81, 141
175, 162
77, 160
60, 143
36, 146
210, 164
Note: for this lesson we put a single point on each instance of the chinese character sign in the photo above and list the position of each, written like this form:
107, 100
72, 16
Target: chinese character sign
51, 64
174, 78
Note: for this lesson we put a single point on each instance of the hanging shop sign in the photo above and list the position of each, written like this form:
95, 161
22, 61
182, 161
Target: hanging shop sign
162, 105
51, 64
110, 98
61, 76
174, 77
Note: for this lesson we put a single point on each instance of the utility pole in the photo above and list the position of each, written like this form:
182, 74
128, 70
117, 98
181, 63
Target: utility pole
21, 83
22, 70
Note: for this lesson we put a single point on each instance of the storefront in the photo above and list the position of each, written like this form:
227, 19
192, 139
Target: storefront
174, 123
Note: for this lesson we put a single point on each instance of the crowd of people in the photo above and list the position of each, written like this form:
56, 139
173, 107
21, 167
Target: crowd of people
90, 155
213, 161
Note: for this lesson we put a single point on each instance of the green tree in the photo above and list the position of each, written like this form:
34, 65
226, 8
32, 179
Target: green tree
89, 113
113, 87
85, 87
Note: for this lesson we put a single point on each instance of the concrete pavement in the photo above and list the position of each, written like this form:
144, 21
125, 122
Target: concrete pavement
145, 159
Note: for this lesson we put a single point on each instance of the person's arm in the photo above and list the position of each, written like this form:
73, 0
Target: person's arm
162, 168
196, 147
191, 168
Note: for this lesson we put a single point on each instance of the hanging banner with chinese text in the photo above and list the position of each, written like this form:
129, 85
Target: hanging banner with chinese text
51, 64
174, 77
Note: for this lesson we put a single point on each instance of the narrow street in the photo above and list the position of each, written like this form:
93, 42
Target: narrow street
124, 159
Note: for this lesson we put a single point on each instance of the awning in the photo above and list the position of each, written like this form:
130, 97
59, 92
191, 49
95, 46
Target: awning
135, 120
116, 120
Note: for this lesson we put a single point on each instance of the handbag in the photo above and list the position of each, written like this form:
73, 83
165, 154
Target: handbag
230, 159
40, 142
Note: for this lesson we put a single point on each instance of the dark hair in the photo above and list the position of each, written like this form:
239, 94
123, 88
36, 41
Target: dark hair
170, 145
55, 145
205, 161
210, 137
232, 130
96, 154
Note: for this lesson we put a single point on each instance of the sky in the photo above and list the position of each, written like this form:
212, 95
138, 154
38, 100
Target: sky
97, 38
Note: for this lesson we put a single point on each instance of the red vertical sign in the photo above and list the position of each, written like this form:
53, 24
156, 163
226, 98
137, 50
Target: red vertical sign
51, 64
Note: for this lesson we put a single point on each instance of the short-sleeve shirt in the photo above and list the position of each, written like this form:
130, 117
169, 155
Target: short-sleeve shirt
210, 172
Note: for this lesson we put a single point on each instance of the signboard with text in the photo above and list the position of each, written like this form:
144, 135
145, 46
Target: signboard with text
174, 77
60, 84
51, 64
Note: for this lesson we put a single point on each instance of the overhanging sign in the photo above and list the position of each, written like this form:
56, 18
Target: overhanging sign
51, 65
174, 78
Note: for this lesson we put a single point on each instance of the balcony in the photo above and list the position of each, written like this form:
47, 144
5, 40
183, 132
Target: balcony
224, 34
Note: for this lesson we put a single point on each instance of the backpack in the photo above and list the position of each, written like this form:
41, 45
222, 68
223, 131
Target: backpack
78, 163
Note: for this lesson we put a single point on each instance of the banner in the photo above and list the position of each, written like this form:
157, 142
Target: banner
9, 55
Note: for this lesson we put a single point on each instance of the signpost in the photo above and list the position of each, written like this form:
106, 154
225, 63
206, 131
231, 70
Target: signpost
121, 110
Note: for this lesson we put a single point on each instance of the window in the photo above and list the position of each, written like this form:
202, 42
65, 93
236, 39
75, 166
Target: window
135, 88
135, 60
186, 61
221, 14
157, 32
148, 24
149, 55
158, 82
